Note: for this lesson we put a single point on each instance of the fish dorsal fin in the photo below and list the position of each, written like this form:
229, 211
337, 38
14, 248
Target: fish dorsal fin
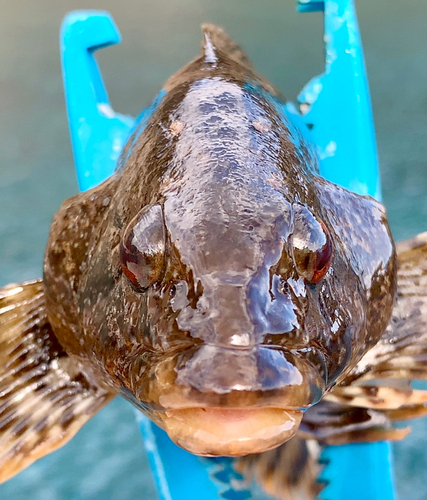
222, 57
45, 396
216, 40
378, 392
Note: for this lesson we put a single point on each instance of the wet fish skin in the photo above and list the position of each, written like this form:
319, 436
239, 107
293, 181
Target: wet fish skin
224, 172
218, 283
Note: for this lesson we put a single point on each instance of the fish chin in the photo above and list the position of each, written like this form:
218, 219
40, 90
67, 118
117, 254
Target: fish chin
230, 432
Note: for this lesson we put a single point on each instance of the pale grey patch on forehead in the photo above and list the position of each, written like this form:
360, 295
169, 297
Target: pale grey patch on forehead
214, 96
225, 189
231, 209
227, 240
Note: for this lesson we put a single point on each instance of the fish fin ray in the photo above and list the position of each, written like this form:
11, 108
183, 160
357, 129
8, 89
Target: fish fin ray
378, 397
216, 39
331, 423
219, 51
288, 472
45, 396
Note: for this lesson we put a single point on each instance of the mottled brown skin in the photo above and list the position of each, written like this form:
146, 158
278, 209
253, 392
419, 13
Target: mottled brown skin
231, 316
224, 288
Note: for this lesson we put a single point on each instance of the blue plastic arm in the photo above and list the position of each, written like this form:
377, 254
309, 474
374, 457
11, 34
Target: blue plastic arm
98, 134
361, 471
337, 109
337, 105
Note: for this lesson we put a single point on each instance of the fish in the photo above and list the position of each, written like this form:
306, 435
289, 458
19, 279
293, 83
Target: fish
248, 306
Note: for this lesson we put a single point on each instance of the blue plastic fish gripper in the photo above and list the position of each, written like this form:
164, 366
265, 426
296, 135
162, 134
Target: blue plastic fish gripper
334, 111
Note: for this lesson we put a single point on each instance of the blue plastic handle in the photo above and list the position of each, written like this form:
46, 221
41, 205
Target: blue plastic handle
361, 471
98, 134
335, 107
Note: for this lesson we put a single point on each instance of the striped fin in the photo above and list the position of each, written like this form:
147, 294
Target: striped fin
45, 396
402, 351
332, 424
378, 397
288, 472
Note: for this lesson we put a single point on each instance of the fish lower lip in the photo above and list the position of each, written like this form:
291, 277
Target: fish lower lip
230, 431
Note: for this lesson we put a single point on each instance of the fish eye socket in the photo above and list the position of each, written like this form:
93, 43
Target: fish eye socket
142, 248
311, 244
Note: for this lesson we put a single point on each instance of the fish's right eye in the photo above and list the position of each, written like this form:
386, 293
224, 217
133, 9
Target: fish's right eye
142, 249
312, 245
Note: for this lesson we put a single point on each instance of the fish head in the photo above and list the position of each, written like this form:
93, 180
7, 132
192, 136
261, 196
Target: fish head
244, 315
238, 286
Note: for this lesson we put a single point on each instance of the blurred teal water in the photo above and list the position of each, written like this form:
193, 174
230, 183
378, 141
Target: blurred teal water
105, 460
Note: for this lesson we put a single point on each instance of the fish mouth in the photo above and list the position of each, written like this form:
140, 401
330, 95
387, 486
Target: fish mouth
220, 401
230, 432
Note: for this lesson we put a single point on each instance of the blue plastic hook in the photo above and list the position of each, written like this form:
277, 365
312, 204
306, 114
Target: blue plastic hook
335, 107
98, 134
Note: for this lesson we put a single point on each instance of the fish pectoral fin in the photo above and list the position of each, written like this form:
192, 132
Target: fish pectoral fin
331, 423
45, 396
378, 397
289, 471
401, 353
380, 384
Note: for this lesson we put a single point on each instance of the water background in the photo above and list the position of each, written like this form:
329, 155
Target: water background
105, 461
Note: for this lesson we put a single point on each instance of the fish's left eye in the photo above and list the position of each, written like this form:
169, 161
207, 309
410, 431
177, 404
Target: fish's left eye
142, 249
312, 245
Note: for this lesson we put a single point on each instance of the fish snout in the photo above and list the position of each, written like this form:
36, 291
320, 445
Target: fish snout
237, 315
224, 401
255, 376
208, 375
